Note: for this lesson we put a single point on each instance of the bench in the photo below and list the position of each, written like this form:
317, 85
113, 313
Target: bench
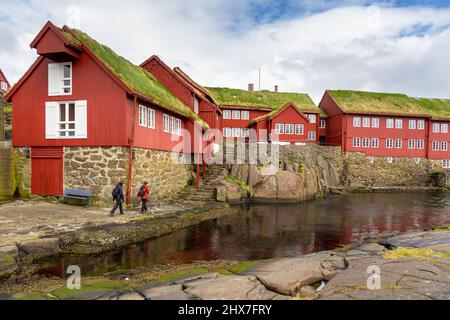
77, 197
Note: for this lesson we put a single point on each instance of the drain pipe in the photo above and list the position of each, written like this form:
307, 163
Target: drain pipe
130, 164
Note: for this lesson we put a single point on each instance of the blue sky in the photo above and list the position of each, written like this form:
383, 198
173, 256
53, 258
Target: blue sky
300, 45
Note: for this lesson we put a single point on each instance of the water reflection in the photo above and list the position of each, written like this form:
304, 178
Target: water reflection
267, 231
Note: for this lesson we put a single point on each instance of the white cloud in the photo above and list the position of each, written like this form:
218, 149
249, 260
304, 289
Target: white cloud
218, 43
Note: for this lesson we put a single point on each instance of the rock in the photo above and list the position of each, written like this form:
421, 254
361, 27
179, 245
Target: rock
221, 194
439, 241
228, 288
287, 275
171, 292
39, 248
372, 248
131, 296
234, 193
308, 292
335, 259
289, 186
267, 189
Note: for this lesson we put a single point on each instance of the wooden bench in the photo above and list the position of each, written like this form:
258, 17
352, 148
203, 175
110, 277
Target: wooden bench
77, 197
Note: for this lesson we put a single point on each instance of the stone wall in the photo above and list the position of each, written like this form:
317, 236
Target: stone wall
15, 172
22, 165
165, 176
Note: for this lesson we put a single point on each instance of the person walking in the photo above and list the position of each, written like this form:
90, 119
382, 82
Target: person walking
143, 195
118, 198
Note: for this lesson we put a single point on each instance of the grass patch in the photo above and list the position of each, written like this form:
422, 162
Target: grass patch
261, 99
428, 255
238, 181
244, 266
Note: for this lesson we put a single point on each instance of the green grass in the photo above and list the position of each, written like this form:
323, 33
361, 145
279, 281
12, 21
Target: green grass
390, 103
244, 266
261, 99
137, 78
238, 181
416, 253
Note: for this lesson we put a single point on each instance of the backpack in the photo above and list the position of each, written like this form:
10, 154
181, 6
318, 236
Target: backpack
141, 192
115, 192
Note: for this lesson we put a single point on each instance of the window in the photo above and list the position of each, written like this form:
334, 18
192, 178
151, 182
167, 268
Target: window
389, 143
390, 160
398, 143
417, 160
312, 118
4, 86
227, 114
236, 132
411, 144
236, 115
421, 144
436, 128
312, 136
299, 129
279, 128
356, 122
435, 146
245, 115
151, 119
366, 143
59, 79
375, 143
390, 123
446, 164
196, 104
356, 142
412, 124
142, 116
375, 122
444, 127
66, 120
372, 160
172, 125
366, 122
323, 124
420, 124
166, 123
245, 132
178, 127
444, 146
398, 123
227, 132
289, 129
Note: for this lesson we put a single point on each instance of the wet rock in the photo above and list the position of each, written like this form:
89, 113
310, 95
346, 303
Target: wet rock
439, 241
228, 288
39, 248
171, 292
286, 276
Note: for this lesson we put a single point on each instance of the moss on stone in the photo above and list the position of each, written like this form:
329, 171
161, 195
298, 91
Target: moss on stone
416, 253
244, 266
239, 182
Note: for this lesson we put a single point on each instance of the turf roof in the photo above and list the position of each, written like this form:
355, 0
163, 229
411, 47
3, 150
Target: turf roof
389, 103
136, 78
261, 99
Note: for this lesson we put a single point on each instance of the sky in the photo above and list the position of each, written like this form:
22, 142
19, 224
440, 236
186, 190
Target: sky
300, 45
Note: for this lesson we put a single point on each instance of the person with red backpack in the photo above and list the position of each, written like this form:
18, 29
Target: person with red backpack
143, 195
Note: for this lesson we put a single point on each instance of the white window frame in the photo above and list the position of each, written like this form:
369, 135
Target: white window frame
390, 160
389, 123
166, 123
417, 160
178, 127
356, 142
289, 129
366, 122
142, 116
398, 123
312, 136
245, 115
323, 124
196, 104
227, 114
375, 122
245, 132
446, 164
236, 132
279, 128
412, 124
357, 122
398, 144
372, 160
420, 144
436, 128
236, 115
151, 118
312, 118
53, 121
444, 146
299, 129
444, 127
365, 142
389, 143
411, 144
60, 87
435, 145
172, 125
375, 143
227, 132
421, 124
4, 86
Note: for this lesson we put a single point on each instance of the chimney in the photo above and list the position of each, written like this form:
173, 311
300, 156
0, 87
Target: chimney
251, 87
276, 89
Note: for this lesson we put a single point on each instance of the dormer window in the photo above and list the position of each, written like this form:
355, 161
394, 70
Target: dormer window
60, 79
4, 86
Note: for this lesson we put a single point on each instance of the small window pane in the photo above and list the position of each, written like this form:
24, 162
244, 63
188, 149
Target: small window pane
71, 112
62, 112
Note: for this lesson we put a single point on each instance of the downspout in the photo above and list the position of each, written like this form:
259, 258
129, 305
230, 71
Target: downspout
428, 142
130, 164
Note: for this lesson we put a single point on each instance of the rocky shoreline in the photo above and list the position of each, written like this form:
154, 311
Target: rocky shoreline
412, 266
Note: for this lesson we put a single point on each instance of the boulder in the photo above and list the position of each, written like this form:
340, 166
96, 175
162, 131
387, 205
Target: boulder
39, 247
221, 194
267, 189
439, 241
289, 186
171, 292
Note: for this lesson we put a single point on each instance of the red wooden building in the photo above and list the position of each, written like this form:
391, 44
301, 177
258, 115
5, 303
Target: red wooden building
4, 84
79, 94
263, 111
387, 125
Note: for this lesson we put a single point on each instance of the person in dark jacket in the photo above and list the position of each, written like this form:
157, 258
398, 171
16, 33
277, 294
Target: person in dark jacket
143, 195
118, 198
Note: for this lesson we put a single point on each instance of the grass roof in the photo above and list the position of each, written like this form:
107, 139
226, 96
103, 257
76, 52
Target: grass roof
261, 99
184, 74
136, 78
437, 108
